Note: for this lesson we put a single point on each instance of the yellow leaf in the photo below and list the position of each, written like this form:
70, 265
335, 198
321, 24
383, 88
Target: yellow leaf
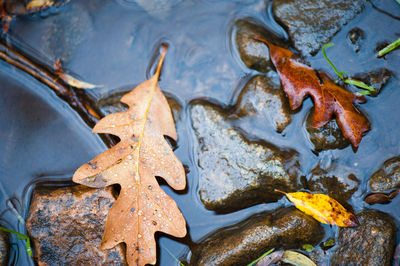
38, 4
322, 208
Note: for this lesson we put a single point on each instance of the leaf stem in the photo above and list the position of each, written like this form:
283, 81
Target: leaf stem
390, 47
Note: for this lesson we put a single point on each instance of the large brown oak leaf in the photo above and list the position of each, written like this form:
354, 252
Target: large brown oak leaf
330, 100
142, 207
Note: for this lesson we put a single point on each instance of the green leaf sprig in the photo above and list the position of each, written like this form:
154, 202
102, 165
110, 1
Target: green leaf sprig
367, 90
21, 237
389, 47
262, 256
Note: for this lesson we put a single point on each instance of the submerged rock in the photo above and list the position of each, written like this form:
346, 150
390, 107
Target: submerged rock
371, 243
337, 182
376, 78
386, 178
356, 36
313, 23
67, 224
244, 242
327, 137
263, 98
234, 172
4, 248
253, 53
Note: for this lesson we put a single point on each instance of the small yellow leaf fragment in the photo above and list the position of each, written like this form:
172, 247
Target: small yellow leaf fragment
39, 4
323, 208
70, 80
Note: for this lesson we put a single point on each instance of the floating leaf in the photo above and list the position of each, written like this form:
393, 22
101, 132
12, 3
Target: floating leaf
322, 208
39, 4
142, 207
307, 247
296, 258
330, 100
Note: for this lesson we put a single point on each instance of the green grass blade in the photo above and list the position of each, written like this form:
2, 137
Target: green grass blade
13, 232
359, 84
340, 74
21, 237
390, 47
172, 255
262, 256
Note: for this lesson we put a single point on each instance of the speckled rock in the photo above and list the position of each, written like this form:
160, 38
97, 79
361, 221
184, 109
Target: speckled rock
313, 23
234, 172
337, 182
67, 224
327, 137
376, 78
253, 53
264, 98
372, 243
241, 243
387, 177
4, 248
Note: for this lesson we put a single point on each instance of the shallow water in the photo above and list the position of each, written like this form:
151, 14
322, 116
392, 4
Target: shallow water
113, 42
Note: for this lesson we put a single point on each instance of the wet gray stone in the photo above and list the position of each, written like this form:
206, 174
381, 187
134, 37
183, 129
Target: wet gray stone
387, 177
327, 137
337, 182
371, 243
313, 23
234, 172
254, 54
244, 242
4, 248
67, 224
376, 78
264, 98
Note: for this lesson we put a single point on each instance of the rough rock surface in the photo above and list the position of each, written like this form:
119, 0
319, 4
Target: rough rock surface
254, 54
337, 182
264, 98
4, 248
313, 23
388, 177
327, 137
372, 243
376, 78
242, 243
234, 172
67, 224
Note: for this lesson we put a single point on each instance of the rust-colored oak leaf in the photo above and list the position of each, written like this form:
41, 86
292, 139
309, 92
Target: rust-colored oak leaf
142, 207
322, 208
330, 100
